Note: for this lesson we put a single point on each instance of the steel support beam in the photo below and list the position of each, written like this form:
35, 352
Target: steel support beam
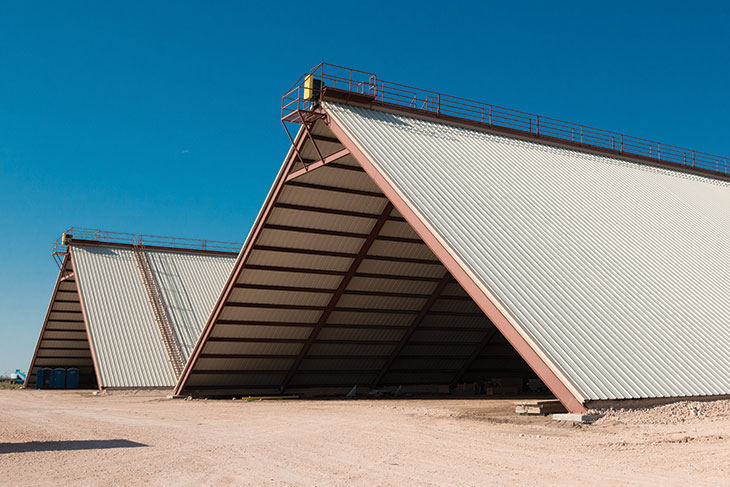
474, 355
338, 233
412, 328
68, 277
336, 189
324, 138
346, 255
338, 293
335, 211
327, 272
314, 165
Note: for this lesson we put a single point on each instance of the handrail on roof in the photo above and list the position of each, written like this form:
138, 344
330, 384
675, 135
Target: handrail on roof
369, 87
103, 236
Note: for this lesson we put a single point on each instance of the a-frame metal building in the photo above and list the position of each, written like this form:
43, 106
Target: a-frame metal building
416, 238
126, 310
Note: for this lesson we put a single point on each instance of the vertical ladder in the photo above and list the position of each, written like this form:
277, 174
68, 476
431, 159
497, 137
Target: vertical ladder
158, 308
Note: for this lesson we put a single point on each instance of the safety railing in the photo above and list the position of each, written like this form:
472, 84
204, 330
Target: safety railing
94, 235
369, 87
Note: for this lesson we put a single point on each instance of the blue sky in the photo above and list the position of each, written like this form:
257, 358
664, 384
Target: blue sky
163, 118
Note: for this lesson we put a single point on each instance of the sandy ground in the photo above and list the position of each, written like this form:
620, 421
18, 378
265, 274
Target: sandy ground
74, 438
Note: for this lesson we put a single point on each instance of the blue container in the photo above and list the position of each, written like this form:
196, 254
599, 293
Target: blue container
39, 377
59, 378
72, 379
47, 378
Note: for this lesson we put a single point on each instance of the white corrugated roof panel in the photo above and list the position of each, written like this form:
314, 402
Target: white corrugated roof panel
618, 271
125, 335
190, 285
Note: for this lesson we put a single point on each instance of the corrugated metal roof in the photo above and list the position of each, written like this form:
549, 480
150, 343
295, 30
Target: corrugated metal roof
619, 272
189, 284
124, 334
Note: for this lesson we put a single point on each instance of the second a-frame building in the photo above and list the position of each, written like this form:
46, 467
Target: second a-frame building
127, 309
413, 238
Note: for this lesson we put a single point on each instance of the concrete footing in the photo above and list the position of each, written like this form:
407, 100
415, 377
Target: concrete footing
576, 417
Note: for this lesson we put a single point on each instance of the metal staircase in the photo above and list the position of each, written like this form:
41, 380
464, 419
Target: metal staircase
167, 332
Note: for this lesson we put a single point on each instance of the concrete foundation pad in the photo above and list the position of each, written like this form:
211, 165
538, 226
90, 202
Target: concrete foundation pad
576, 417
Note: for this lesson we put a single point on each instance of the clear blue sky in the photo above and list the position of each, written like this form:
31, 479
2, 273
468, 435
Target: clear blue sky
163, 118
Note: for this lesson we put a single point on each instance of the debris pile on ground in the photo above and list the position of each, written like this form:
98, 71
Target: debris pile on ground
672, 413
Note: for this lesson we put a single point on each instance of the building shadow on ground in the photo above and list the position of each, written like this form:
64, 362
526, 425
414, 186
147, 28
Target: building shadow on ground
36, 446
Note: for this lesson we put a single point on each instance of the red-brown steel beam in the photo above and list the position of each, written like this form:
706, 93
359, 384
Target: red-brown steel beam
345, 167
474, 355
290, 356
301, 307
339, 292
324, 138
64, 339
68, 277
349, 326
348, 255
412, 328
327, 272
309, 307
78, 349
324, 187
338, 233
335, 211
349, 292
328, 341
311, 167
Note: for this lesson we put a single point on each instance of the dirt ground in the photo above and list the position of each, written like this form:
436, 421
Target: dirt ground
76, 438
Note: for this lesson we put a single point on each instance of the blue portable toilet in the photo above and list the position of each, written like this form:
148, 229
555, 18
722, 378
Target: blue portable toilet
59, 378
39, 378
47, 378
72, 378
